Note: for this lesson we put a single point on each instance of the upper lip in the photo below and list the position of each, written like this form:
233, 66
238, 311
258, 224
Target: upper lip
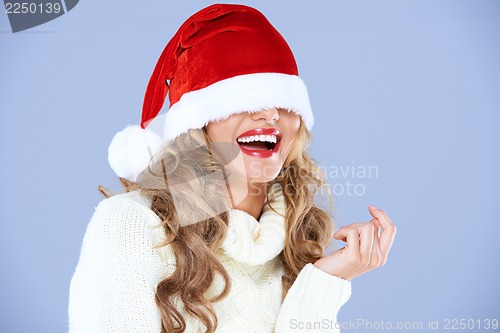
263, 131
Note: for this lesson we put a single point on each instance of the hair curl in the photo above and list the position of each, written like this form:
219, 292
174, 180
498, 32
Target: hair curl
308, 228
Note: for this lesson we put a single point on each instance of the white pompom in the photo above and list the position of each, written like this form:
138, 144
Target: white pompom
131, 149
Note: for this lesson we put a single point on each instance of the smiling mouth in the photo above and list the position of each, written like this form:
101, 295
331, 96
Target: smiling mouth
260, 142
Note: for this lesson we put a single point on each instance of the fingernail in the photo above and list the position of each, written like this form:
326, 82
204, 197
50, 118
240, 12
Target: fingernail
373, 207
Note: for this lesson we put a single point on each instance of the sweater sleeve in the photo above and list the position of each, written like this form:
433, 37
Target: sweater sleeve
312, 302
113, 287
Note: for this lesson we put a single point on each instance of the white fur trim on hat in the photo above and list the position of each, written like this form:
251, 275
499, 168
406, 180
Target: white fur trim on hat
131, 149
250, 92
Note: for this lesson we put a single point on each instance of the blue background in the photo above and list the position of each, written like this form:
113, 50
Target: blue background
411, 87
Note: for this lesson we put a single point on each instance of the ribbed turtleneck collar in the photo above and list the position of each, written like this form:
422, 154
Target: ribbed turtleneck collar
255, 242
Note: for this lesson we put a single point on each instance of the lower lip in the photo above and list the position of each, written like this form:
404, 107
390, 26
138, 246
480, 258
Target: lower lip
261, 153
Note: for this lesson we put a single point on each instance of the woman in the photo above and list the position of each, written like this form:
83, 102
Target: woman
218, 230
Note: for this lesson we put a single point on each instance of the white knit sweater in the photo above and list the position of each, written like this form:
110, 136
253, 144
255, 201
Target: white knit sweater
113, 287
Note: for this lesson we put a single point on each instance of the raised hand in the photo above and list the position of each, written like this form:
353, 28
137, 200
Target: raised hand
367, 248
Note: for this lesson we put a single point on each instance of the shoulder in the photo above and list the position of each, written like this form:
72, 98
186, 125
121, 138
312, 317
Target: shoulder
134, 199
119, 267
125, 225
126, 208
129, 216
126, 216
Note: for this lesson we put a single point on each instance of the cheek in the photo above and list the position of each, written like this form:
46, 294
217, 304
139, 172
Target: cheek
212, 131
220, 131
292, 125
296, 126
224, 130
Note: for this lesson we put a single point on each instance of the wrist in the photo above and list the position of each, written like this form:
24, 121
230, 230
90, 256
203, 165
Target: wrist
320, 264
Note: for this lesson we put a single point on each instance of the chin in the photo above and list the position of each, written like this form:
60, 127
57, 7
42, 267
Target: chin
262, 171
251, 179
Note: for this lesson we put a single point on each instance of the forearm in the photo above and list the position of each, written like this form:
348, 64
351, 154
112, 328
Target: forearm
314, 299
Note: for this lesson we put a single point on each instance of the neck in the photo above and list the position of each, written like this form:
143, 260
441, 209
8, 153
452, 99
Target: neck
249, 197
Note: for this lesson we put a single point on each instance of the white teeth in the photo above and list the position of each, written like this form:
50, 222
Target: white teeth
262, 138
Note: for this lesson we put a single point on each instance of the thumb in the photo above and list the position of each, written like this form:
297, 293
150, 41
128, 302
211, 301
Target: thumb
341, 234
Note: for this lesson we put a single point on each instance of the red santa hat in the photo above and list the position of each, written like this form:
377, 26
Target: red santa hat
225, 59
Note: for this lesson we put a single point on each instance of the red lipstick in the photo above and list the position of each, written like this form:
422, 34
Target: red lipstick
251, 143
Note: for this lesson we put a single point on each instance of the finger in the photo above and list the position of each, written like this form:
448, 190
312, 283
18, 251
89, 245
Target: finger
388, 230
376, 223
376, 258
341, 236
351, 236
366, 242
379, 214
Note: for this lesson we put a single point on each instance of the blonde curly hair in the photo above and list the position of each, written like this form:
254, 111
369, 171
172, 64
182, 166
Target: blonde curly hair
308, 228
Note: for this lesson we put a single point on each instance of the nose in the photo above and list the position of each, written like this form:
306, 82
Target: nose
268, 115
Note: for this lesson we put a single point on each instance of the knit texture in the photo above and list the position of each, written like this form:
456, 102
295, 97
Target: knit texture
113, 287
